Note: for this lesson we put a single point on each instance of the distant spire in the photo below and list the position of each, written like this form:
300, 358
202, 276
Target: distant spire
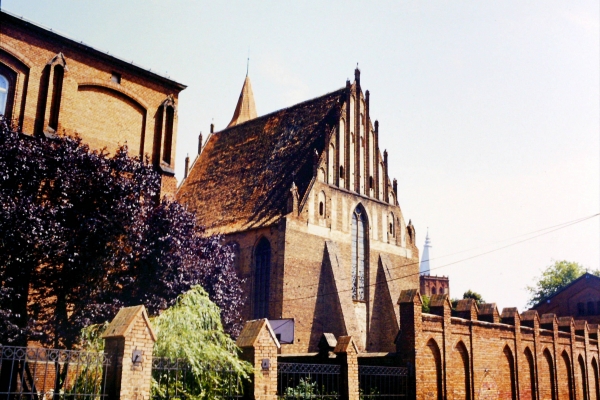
425, 267
245, 109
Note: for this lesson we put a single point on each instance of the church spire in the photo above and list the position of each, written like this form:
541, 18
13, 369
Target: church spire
425, 267
245, 109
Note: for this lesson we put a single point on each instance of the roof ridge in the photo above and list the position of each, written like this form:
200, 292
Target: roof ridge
104, 53
565, 288
283, 109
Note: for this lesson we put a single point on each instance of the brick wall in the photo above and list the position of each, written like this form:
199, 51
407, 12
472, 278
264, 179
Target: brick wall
104, 113
520, 357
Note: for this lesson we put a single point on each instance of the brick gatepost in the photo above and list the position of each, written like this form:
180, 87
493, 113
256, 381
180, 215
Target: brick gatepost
347, 355
259, 347
129, 341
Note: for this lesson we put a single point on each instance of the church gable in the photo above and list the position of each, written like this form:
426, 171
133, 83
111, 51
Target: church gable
243, 176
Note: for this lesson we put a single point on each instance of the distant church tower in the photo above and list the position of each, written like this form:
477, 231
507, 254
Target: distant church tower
429, 284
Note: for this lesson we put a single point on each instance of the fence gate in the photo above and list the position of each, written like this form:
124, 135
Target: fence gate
175, 379
383, 383
308, 381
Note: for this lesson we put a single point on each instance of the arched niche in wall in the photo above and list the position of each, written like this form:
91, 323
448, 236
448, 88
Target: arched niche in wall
108, 116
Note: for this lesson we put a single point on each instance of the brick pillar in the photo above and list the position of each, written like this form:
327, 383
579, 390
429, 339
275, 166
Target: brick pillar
129, 341
259, 347
347, 355
409, 337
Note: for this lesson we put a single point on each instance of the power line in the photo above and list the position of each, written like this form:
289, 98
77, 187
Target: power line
549, 229
557, 227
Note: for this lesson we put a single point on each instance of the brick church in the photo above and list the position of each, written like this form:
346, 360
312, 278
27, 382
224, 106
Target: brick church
52, 84
304, 196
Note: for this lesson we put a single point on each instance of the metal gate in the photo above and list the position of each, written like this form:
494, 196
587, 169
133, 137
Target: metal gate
383, 383
308, 381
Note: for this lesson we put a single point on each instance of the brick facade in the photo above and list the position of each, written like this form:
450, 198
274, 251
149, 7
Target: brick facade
506, 356
59, 85
433, 284
580, 299
311, 181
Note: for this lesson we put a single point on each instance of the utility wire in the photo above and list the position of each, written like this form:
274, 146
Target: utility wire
549, 229
558, 227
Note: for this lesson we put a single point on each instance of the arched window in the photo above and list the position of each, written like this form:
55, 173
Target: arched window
321, 199
359, 244
331, 164
341, 172
170, 117
3, 93
262, 278
433, 291
57, 84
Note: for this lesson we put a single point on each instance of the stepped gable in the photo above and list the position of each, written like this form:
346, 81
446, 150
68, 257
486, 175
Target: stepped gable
243, 176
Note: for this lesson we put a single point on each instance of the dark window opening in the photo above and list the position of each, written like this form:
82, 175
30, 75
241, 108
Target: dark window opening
580, 309
321, 207
262, 278
342, 171
57, 84
370, 182
391, 228
591, 310
170, 115
433, 291
116, 78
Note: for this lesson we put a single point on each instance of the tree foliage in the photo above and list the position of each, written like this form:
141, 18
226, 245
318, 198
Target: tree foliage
83, 233
469, 294
555, 277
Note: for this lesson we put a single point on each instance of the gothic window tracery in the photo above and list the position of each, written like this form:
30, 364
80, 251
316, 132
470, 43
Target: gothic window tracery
262, 278
359, 244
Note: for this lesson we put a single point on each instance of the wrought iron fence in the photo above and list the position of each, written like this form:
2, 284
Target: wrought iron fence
51, 374
176, 379
308, 381
382, 383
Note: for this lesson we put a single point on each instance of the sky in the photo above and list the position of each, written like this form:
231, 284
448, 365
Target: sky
490, 111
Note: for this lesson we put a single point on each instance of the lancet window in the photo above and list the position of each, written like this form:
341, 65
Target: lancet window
262, 278
359, 245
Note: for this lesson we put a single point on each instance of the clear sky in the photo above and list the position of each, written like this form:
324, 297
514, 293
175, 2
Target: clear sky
490, 110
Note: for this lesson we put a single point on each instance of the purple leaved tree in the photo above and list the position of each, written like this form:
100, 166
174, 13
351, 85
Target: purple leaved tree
83, 233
